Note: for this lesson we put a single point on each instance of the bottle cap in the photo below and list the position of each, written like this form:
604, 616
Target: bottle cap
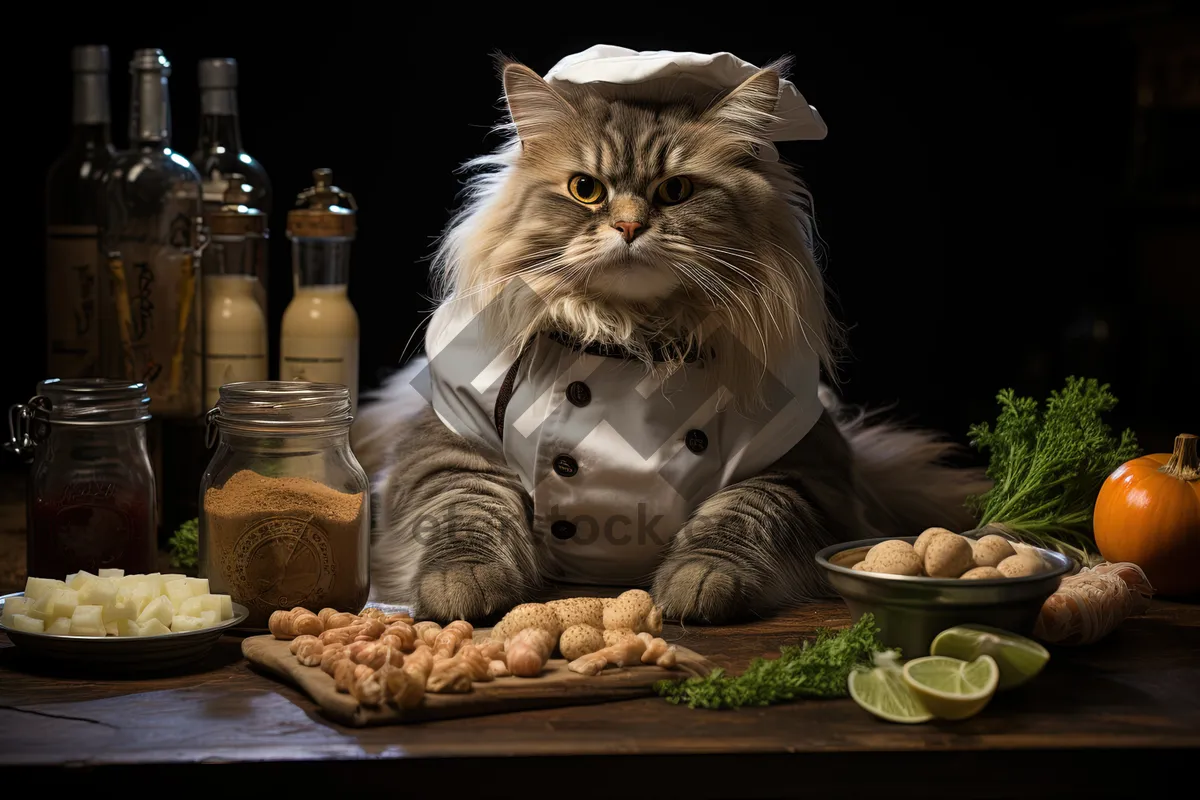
150, 59
235, 218
89, 58
323, 211
218, 73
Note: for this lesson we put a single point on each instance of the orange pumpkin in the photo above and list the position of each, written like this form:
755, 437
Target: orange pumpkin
1148, 512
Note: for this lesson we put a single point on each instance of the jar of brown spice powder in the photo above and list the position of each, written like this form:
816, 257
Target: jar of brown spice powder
284, 504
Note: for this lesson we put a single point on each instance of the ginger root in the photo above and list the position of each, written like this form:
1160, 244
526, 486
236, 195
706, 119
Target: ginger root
347, 673
634, 610
528, 651
332, 618
427, 632
627, 651
310, 651
403, 632
404, 688
451, 638
371, 689
331, 655
297, 622
342, 635
658, 652
491, 649
449, 675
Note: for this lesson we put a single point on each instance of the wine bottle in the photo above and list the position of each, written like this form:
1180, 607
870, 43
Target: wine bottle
319, 336
151, 231
73, 201
219, 154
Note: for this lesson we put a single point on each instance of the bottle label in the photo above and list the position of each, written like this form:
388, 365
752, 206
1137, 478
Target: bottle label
157, 305
73, 332
331, 360
231, 358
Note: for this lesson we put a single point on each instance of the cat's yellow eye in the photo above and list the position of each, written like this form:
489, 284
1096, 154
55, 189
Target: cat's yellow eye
674, 190
586, 189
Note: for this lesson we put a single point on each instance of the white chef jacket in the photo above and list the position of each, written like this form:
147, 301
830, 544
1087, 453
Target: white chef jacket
614, 461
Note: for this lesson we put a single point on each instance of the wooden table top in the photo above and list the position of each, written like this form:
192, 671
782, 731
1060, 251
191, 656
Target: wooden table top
1112, 719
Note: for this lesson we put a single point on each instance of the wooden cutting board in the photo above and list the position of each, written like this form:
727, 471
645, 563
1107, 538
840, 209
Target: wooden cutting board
557, 686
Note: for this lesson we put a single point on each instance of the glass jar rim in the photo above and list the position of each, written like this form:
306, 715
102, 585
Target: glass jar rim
277, 406
92, 401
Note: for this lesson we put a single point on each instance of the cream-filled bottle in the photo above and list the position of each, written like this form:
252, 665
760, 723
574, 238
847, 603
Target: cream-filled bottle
235, 325
319, 337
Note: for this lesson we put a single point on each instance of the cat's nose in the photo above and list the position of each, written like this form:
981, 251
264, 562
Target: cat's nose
628, 229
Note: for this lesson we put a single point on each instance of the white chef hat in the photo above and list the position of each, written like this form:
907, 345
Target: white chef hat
659, 75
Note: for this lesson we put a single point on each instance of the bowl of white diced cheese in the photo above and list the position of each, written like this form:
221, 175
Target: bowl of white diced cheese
129, 622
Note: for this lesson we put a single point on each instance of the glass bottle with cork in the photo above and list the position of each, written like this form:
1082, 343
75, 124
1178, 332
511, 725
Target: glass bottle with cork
319, 337
72, 217
235, 325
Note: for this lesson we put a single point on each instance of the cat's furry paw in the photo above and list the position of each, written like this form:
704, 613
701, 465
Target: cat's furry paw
466, 591
700, 588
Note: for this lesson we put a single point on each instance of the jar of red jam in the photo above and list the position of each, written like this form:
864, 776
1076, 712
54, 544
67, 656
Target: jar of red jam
91, 492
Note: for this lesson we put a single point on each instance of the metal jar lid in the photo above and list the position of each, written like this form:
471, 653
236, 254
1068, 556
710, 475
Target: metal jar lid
280, 408
323, 211
82, 402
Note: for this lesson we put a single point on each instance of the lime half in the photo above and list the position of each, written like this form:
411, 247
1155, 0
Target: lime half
883, 692
1018, 658
951, 688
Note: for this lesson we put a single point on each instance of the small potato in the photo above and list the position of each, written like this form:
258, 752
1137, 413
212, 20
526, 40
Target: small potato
890, 546
981, 574
990, 550
1020, 566
894, 562
948, 555
924, 539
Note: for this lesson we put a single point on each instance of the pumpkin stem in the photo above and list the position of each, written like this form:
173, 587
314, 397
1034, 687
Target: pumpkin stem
1184, 463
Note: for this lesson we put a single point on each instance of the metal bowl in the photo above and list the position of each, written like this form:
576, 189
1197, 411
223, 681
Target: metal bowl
123, 653
911, 611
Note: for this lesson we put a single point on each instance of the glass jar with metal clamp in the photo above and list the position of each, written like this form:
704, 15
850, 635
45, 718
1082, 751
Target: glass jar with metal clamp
91, 491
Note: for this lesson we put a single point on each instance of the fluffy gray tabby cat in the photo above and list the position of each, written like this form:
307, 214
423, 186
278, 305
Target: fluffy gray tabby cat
719, 232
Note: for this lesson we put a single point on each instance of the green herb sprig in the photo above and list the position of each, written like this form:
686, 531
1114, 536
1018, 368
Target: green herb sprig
813, 669
185, 545
1047, 467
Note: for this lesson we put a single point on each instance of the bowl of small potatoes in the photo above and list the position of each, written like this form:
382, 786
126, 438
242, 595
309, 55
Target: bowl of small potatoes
918, 586
118, 622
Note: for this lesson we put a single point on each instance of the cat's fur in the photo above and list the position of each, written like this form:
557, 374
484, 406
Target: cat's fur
739, 250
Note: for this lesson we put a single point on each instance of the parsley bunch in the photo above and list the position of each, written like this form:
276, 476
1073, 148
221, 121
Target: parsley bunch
812, 669
1047, 467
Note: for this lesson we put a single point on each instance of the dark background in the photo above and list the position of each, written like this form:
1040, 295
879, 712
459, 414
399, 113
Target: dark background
996, 207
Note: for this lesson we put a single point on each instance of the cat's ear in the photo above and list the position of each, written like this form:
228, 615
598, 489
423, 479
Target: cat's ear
751, 106
532, 104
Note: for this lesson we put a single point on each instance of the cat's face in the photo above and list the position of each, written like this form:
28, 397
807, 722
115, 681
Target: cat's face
627, 218
633, 202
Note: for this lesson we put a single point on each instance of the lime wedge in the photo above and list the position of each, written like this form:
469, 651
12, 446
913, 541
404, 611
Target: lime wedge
951, 688
1018, 658
883, 692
